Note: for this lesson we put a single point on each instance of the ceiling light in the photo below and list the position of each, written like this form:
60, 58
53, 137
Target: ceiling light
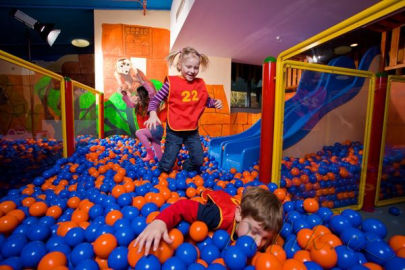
46, 31
314, 59
81, 43
354, 45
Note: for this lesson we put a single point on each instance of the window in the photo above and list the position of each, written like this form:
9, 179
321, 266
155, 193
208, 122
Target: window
246, 86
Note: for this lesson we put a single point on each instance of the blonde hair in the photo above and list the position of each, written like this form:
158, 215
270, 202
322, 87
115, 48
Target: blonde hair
185, 52
264, 207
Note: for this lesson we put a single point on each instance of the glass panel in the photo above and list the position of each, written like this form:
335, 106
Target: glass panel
30, 125
324, 127
85, 115
393, 170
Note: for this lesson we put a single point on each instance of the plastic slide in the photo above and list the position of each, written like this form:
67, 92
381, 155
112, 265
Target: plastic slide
317, 94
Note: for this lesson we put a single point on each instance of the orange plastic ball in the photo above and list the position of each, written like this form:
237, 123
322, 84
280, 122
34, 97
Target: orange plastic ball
28, 201
79, 216
292, 264
325, 255
330, 238
64, 227
311, 205
198, 231
304, 237
302, 256
8, 223
401, 252
18, 213
138, 202
52, 260
112, 217
163, 252
320, 230
134, 256
278, 252
38, 209
152, 216
104, 244
177, 236
73, 202
397, 242
266, 261
54, 211
7, 206
281, 193
372, 266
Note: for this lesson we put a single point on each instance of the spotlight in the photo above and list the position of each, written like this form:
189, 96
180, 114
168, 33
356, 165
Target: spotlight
46, 31
354, 45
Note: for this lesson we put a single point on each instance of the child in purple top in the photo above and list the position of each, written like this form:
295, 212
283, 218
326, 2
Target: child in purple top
150, 138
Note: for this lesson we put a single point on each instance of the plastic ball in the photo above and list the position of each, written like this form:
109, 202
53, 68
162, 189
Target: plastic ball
177, 238
395, 211
375, 226
395, 263
221, 239
174, 263
8, 223
339, 223
346, 257
13, 262
247, 244
312, 266
118, 258
266, 261
75, 236
104, 245
209, 253
81, 252
311, 205
13, 245
52, 260
124, 236
87, 264
354, 217
325, 213
184, 227
32, 253
397, 242
147, 263
353, 238
234, 258
194, 266
378, 252
278, 252
198, 231
187, 253
325, 256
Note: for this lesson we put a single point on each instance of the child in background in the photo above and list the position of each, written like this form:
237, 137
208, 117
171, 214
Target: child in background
259, 215
150, 138
187, 98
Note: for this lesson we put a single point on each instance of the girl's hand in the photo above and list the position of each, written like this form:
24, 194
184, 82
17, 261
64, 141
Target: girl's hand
152, 234
218, 104
140, 77
153, 120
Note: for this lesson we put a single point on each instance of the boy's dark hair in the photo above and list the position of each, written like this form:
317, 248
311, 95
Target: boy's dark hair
264, 207
142, 106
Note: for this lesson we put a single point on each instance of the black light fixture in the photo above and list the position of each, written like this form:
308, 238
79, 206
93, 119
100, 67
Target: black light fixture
46, 31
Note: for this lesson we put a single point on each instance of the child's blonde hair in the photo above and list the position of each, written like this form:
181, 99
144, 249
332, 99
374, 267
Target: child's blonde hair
185, 52
264, 207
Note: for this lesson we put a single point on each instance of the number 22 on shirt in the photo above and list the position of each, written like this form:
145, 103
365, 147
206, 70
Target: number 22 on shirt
189, 96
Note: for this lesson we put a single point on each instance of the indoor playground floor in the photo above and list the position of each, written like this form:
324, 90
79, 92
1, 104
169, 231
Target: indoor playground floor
395, 224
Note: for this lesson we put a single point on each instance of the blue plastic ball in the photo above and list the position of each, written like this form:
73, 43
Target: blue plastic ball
247, 244
148, 263
13, 245
395, 263
339, 223
13, 262
346, 257
175, 263
353, 238
378, 252
32, 253
184, 227
209, 253
187, 253
221, 239
193, 266
354, 217
81, 252
87, 264
216, 266
148, 208
234, 258
395, 211
124, 236
138, 224
310, 265
375, 226
118, 258
74, 236
39, 232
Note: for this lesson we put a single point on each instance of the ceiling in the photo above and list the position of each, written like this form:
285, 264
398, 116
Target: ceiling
246, 31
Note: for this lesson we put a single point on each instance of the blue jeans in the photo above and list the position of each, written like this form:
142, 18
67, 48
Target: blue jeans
174, 141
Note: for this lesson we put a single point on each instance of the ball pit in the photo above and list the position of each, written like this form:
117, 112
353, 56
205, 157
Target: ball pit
84, 212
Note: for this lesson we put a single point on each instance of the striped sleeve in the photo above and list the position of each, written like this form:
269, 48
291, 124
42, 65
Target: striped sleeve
159, 97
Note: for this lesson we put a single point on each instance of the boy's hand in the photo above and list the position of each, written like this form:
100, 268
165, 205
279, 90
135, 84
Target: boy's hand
218, 104
152, 121
140, 76
152, 234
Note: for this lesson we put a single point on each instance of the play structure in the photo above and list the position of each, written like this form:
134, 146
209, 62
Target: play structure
317, 94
